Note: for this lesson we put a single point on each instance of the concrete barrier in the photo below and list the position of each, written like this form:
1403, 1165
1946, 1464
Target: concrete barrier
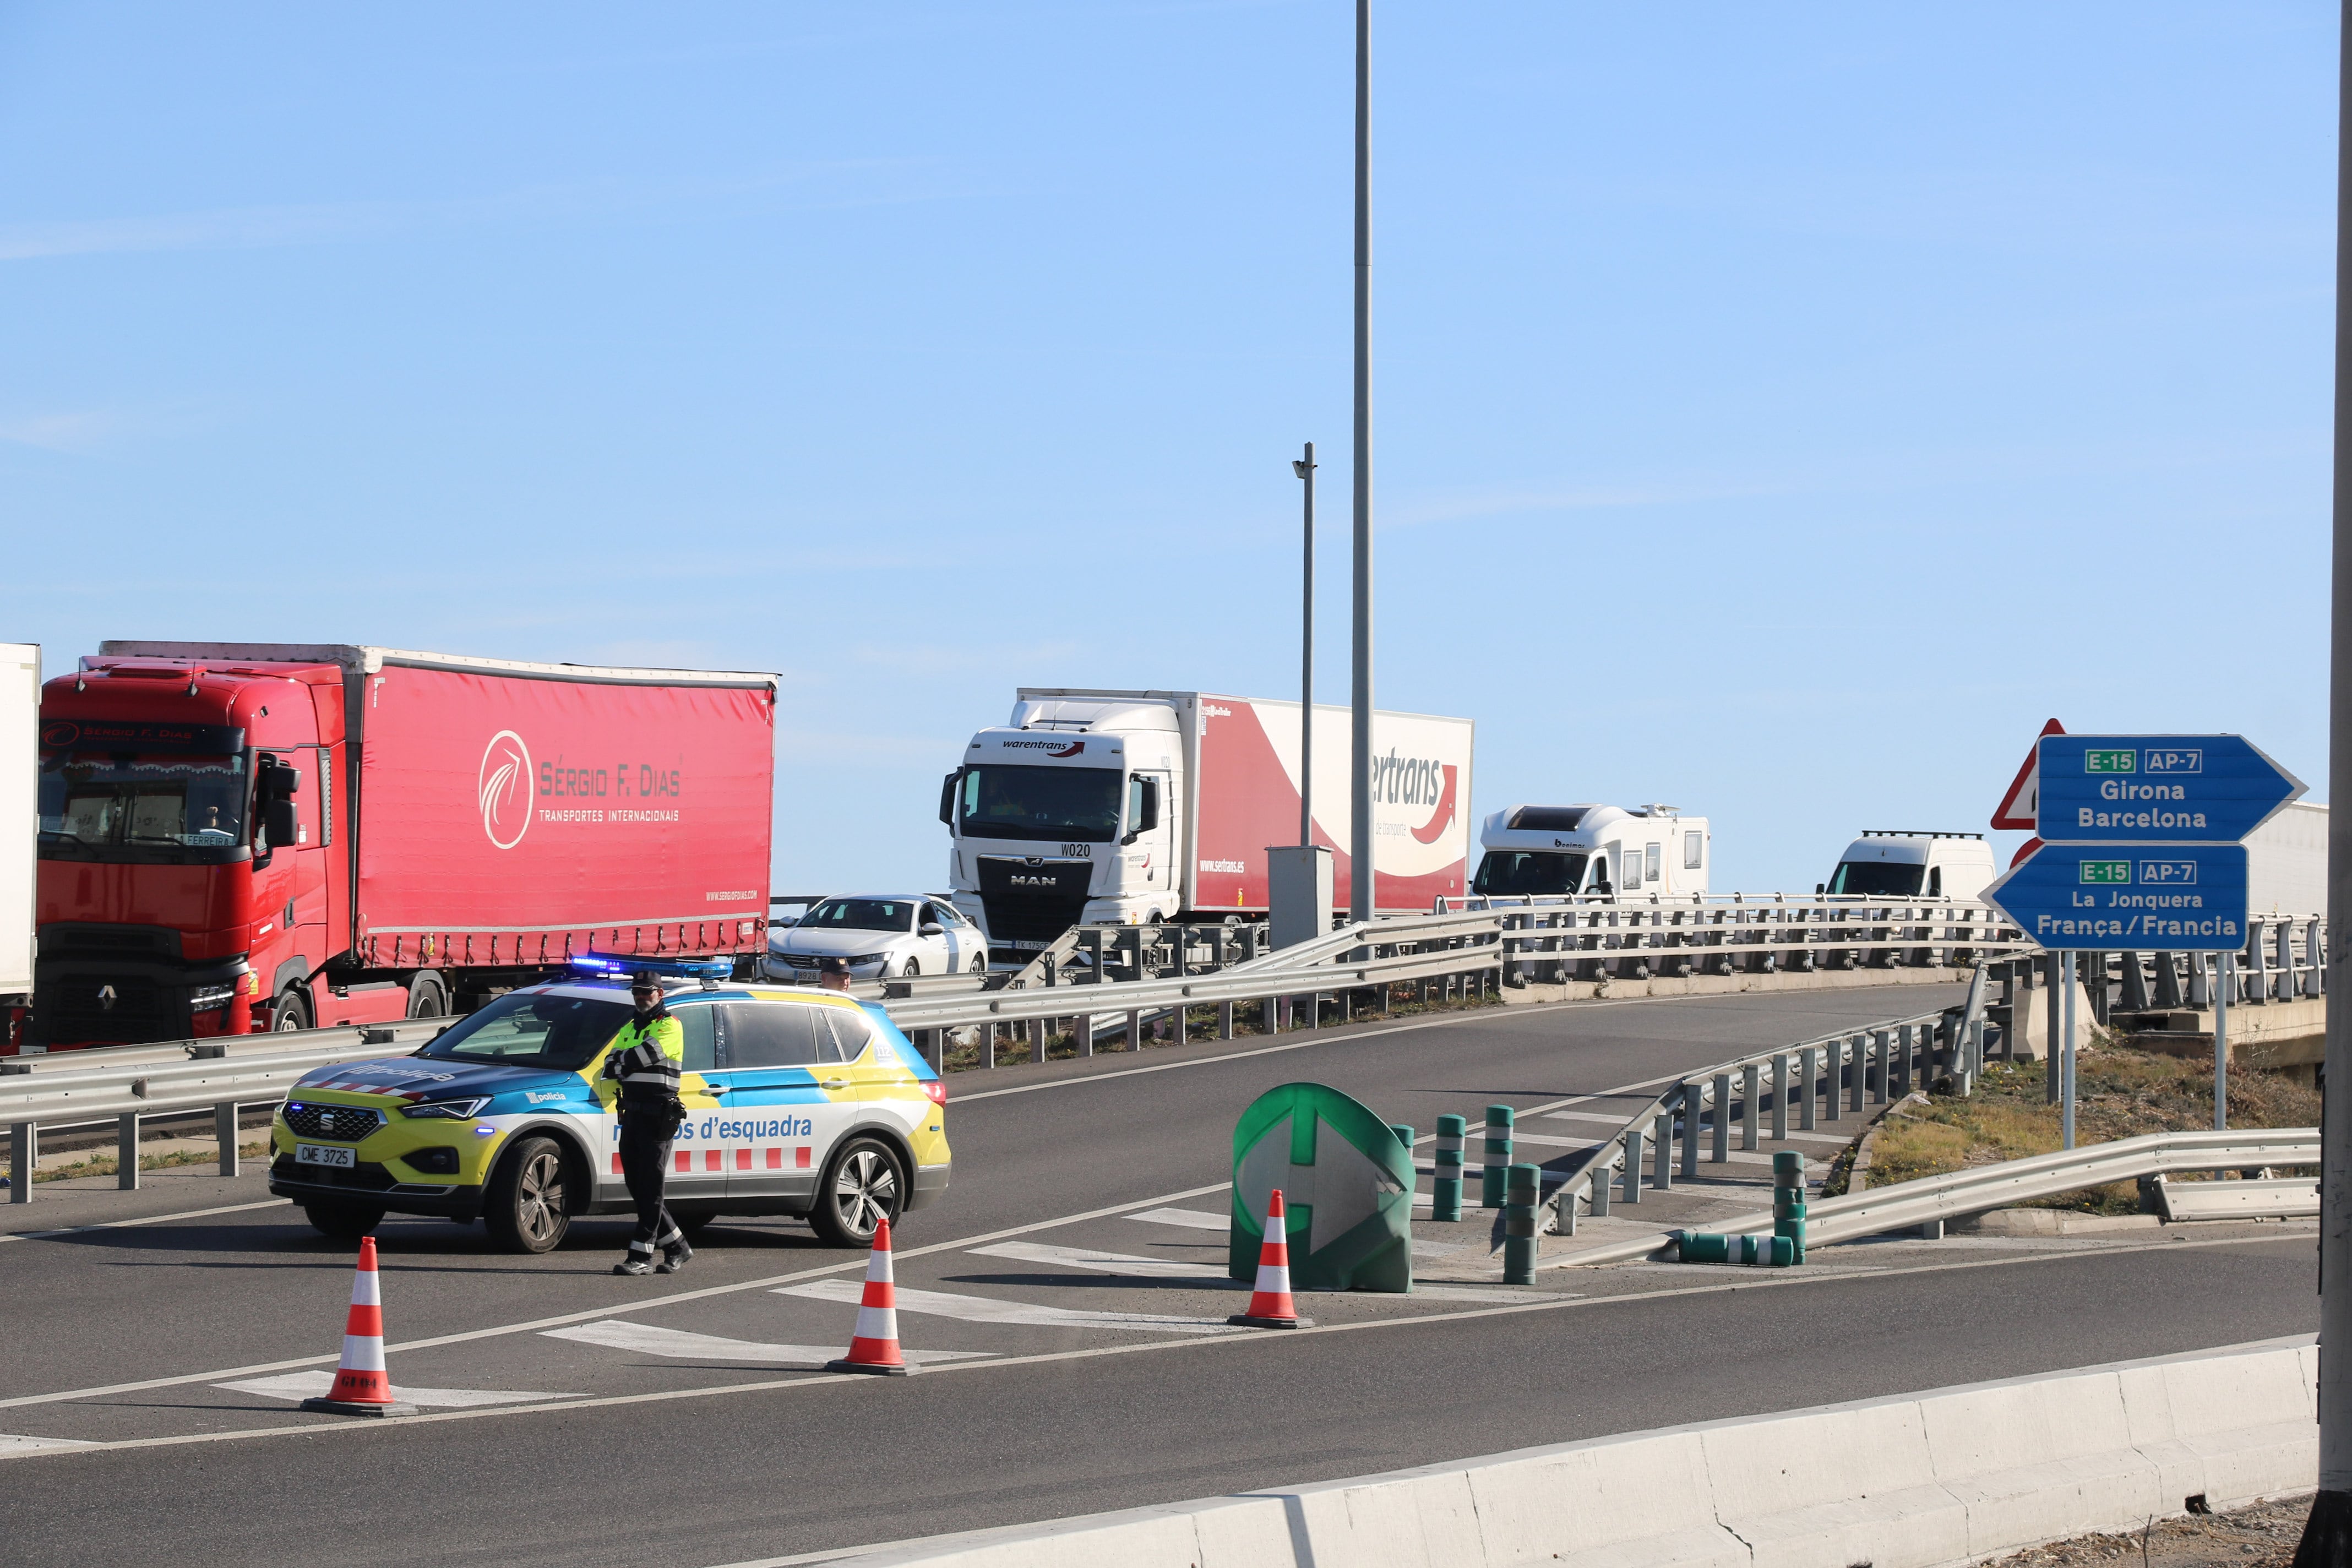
1948, 1476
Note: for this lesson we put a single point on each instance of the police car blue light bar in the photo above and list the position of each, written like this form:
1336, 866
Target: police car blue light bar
676, 968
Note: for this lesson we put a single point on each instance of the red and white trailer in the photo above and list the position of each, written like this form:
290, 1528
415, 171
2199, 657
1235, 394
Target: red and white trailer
239, 836
1091, 806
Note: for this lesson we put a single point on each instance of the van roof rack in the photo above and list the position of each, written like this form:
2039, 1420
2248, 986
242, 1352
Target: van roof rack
1914, 833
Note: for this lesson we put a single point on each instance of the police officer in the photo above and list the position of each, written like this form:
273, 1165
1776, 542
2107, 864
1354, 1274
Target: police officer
646, 1057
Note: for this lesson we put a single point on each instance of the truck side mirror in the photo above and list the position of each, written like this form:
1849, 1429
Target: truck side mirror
947, 797
1147, 810
278, 821
281, 782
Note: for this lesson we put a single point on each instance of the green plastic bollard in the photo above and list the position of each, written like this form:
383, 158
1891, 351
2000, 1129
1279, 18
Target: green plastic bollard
1747, 1250
1497, 1156
1521, 1185
1445, 1192
1789, 1207
1787, 1168
1783, 1253
1705, 1246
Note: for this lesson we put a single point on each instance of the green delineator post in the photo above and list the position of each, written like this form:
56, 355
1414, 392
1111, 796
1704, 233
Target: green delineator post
1789, 1202
1497, 1156
1445, 1192
1521, 1184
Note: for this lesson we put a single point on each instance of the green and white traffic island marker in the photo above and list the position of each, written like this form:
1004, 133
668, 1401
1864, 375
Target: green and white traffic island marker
1346, 1181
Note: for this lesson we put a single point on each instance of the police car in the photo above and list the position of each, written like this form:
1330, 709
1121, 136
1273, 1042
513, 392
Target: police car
802, 1103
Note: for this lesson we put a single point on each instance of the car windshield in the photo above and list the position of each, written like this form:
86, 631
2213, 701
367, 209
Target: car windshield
93, 801
1510, 871
535, 1030
1003, 800
1878, 878
860, 914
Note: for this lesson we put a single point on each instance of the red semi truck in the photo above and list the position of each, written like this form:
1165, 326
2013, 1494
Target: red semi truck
240, 837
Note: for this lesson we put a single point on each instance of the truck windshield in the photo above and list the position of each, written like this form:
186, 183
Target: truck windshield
94, 801
1510, 871
1877, 879
860, 914
536, 1031
1000, 800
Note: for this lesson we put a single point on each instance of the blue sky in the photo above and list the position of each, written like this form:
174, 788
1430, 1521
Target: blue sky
1778, 413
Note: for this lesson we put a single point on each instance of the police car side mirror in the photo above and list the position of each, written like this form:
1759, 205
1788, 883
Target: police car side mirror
931, 931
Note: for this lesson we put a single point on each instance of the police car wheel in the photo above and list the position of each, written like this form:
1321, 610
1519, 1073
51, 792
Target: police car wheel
525, 1207
342, 1221
862, 1187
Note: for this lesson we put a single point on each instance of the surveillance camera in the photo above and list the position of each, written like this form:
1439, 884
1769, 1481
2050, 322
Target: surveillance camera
1299, 467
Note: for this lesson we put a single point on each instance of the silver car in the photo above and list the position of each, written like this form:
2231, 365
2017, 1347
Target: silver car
885, 936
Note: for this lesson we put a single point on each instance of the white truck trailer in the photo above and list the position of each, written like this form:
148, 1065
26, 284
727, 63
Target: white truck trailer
20, 762
2286, 862
1092, 806
1596, 852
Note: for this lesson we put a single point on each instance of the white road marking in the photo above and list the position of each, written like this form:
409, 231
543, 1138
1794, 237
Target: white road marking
618, 1334
1518, 1137
1776, 1280
1100, 1262
10, 1443
1191, 1219
988, 1309
312, 1385
1566, 1116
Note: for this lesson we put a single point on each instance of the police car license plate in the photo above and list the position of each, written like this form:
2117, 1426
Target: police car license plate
321, 1154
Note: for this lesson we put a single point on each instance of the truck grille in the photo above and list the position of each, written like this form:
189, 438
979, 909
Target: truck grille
1027, 904
125, 1007
343, 1123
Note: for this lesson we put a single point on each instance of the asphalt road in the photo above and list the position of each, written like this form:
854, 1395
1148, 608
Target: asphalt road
587, 1419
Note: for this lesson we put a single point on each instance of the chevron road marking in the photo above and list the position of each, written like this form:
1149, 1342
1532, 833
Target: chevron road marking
621, 1336
988, 1309
312, 1385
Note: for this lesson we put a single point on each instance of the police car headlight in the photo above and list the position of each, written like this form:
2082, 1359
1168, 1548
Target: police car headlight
450, 1109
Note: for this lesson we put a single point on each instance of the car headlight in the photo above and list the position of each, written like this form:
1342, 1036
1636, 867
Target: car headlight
450, 1109
870, 958
205, 996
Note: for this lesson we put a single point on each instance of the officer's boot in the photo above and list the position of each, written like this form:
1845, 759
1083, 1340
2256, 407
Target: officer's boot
640, 1260
675, 1256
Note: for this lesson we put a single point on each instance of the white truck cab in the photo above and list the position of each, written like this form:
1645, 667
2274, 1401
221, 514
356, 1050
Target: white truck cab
1901, 863
1594, 851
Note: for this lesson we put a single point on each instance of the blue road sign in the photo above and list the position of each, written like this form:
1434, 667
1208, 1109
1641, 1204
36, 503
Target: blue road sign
2175, 897
2158, 789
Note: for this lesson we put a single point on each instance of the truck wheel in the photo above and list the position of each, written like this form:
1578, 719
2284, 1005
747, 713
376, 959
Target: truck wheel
342, 1221
288, 1012
425, 998
523, 1209
861, 1188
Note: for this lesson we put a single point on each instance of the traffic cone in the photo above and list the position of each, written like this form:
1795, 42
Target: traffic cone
361, 1385
1270, 1304
875, 1346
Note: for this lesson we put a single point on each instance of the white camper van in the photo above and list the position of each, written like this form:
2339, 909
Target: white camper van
1594, 850
1898, 863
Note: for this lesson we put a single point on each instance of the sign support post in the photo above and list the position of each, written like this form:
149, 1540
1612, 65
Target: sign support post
2065, 1055
2327, 1534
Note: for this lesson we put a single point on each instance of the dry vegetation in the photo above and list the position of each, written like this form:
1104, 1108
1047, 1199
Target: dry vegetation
2120, 1093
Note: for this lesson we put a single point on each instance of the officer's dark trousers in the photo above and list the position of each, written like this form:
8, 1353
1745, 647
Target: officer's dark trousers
644, 1166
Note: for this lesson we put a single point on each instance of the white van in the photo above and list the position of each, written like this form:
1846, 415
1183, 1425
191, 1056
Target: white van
1898, 863
1595, 851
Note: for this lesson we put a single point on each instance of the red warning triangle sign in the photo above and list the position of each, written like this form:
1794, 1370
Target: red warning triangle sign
2019, 807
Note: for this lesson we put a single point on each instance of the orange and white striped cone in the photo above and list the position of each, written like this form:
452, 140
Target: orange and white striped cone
361, 1385
873, 1346
1270, 1304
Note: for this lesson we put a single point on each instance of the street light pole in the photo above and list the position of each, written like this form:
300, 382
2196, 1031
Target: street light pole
1359, 836
2327, 1534
1304, 468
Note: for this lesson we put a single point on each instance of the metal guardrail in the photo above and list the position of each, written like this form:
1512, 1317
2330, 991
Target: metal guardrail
1822, 1080
128, 1085
1930, 1200
1368, 955
1585, 938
